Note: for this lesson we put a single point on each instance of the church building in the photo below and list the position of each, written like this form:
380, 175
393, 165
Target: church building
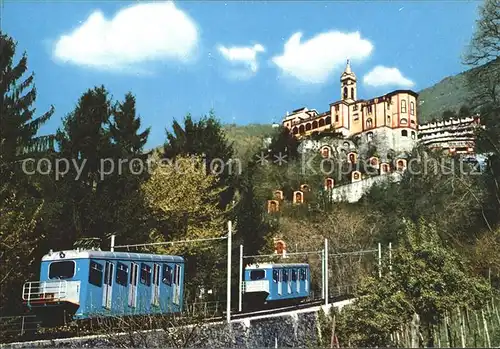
391, 118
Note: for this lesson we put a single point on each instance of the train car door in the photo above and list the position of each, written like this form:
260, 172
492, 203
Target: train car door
289, 280
306, 279
155, 295
280, 281
177, 284
134, 276
296, 279
108, 285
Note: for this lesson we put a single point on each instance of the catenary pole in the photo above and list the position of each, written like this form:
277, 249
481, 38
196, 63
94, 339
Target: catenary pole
228, 290
326, 271
240, 300
379, 260
390, 257
323, 273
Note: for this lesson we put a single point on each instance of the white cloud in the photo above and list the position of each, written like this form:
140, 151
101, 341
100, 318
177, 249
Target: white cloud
246, 55
139, 33
314, 61
384, 76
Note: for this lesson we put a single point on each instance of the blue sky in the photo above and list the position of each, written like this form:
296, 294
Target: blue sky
251, 62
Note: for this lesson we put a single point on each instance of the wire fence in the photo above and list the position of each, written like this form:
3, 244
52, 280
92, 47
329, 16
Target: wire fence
12, 327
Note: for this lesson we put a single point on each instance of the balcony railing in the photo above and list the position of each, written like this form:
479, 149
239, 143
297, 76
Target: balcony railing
43, 291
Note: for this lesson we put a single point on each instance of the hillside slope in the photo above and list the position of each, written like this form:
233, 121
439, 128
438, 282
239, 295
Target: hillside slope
246, 137
448, 94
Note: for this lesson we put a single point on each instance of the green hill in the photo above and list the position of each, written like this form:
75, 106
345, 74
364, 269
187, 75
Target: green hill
247, 137
448, 94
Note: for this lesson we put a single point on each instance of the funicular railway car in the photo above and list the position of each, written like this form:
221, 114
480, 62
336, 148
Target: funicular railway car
86, 284
275, 284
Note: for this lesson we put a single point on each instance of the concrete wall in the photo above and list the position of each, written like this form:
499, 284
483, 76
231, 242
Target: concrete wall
352, 192
298, 329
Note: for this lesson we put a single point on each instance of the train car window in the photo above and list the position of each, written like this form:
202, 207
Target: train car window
62, 270
302, 274
95, 274
285, 275
294, 275
145, 274
167, 274
275, 275
257, 274
122, 274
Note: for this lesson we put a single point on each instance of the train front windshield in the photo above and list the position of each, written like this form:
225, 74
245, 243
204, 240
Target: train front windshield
257, 274
61, 270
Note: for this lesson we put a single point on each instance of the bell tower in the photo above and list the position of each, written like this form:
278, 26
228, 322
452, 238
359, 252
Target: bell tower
348, 90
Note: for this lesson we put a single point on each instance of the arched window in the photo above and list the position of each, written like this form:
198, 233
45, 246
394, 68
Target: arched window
297, 197
328, 120
404, 133
301, 129
352, 158
369, 123
352, 92
356, 176
329, 183
403, 106
308, 127
295, 130
325, 152
369, 136
412, 108
315, 124
404, 121
321, 122
345, 92
401, 164
412, 134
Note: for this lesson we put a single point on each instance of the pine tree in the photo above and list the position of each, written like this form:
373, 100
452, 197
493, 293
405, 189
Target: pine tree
20, 206
125, 129
205, 138
19, 128
123, 183
85, 139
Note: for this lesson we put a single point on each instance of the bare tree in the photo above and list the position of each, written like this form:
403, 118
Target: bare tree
485, 44
348, 231
484, 53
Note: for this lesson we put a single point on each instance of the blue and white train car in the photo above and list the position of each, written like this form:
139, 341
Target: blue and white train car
275, 283
93, 283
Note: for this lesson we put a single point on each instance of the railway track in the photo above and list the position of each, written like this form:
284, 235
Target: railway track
39, 338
